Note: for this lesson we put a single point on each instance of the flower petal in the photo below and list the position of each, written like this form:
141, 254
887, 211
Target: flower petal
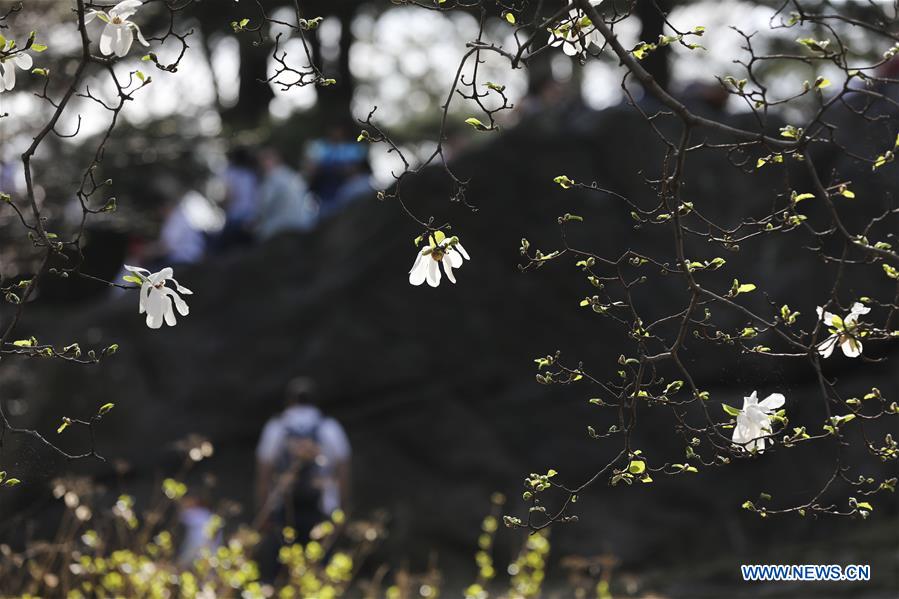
453, 257
125, 8
752, 400
170, 318
9, 76
181, 288
772, 402
137, 270
106, 39
826, 347
433, 273
180, 304
23, 61
162, 275
458, 247
744, 431
156, 305
448, 267
123, 40
419, 270
852, 347
140, 36
418, 258
859, 308
144, 294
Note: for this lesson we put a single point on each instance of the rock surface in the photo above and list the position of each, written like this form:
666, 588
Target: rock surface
436, 387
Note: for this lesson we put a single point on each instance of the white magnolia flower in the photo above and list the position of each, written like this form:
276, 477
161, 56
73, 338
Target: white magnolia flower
843, 331
8, 66
118, 34
576, 33
440, 249
158, 300
754, 421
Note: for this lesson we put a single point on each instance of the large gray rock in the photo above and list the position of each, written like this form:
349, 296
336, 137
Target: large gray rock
436, 387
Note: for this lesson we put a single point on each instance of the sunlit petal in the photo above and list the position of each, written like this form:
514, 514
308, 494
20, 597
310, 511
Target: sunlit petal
125, 8
826, 347
106, 39
23, 61
433, 273
852, 347
449, 269
772, 402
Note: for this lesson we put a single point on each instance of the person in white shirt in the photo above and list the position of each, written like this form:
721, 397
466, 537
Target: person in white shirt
303, 463
284, 204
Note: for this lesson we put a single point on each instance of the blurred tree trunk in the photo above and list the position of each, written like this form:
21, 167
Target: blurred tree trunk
652, 19
254, 94
335, 101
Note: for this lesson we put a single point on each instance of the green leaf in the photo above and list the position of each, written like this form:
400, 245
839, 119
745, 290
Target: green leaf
817, 45
105, 408
636, 467
477, 124
11, 482
790, 132
510, 18
731, 411
673, 387
38, 47
881, 160
563, 181
133, 279
737, 288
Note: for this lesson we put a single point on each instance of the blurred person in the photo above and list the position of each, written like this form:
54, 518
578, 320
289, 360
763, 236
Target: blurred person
199, 531
180, 242
330, 163
302, 471
357, 185
303, 461
241, 194
9, 176
284, 202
